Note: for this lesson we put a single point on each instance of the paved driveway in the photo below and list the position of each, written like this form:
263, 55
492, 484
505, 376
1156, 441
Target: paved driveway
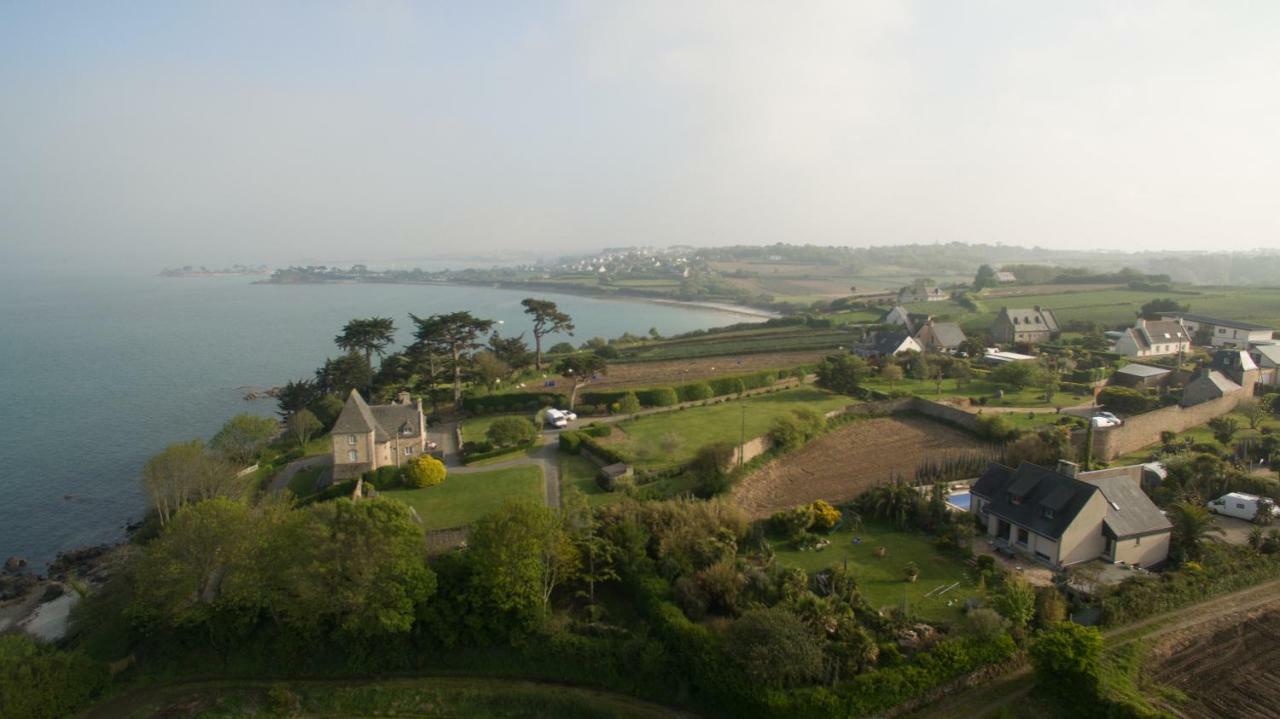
281, 480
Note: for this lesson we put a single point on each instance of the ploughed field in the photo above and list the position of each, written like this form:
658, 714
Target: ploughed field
674, 372
1231, 672
844, 463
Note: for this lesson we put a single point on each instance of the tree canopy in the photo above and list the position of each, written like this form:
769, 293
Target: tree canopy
547, 319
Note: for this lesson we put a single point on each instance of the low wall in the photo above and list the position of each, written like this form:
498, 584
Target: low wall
919, 405
1144, 429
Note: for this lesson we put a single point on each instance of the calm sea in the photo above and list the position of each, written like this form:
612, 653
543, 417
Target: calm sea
99, 373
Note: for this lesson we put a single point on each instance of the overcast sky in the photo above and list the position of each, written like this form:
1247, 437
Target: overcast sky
183, 132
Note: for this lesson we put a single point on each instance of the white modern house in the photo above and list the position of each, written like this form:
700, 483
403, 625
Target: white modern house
1153, 338
1220, 332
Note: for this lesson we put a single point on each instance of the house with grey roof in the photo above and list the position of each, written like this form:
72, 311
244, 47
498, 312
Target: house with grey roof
1064, 517
1217, 332
887, 344
367, 437
1153, 338
940, 336
1141, 376
912, 321
1267, 359
1031, 326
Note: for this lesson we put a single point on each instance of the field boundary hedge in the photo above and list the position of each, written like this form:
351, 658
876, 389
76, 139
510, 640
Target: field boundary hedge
668, 395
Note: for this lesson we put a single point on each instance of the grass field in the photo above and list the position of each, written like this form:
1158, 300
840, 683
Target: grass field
454, 697
464, 498
474, 428
1029, 397
881, 580
674, 437
577, 472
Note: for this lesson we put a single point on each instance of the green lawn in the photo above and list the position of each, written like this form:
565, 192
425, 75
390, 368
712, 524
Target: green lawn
579, 473
674, 437
881, 579
474, 428
464, 498
1029, 397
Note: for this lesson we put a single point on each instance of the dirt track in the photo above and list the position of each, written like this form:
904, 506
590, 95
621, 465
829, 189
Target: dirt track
841, 465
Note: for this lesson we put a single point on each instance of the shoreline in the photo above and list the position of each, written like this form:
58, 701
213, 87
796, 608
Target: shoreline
622, 296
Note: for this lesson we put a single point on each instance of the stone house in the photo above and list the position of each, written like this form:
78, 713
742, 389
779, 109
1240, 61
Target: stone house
1153, 338
940, 336
1066, 517
887, 344
1031, 326
1220, 332
367, 437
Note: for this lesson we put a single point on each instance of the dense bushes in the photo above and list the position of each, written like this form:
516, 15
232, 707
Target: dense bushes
423, 472
513, 402
1224, 569
1125, 400
995, 428
574, 441
694, 392
38, 681
510, 431
658, 397
691, 392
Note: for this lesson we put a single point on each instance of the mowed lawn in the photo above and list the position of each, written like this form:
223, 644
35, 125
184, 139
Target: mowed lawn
669, 438
464, 498
1026, 397
882, 580
578, 472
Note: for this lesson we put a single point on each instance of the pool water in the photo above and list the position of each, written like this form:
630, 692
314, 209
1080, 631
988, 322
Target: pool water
960, 500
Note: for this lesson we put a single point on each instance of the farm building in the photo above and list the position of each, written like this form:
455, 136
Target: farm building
995, 357
1219, 332
1031, 326
1153, 338
1067, 517
1142, 376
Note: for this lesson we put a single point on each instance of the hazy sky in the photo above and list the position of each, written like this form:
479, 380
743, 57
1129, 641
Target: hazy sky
173, 132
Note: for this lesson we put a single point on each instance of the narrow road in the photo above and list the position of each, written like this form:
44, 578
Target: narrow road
987, 699
281, 480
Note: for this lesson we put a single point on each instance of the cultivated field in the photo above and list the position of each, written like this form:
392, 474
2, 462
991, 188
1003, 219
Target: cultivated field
841, 465
649, 374
1231, 672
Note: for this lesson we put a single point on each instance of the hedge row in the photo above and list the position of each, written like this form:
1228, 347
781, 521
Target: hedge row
1227, 569
513, 402
573, 442
690, 392
477, 456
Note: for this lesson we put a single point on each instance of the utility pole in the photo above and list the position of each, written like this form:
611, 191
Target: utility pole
742, 438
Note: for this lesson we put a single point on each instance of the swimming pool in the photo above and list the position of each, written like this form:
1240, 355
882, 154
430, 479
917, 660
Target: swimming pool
960, 500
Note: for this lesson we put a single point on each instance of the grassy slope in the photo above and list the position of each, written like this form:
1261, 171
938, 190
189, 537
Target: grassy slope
674, 437
579, 473
881, 580
464, 498
474, 428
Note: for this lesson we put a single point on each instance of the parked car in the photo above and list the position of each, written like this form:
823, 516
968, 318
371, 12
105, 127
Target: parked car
568, 414
1105, 419
555, 418
1243, 506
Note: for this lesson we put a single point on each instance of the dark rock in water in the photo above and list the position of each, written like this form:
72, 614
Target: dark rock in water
76, 561
52, 592
13, 565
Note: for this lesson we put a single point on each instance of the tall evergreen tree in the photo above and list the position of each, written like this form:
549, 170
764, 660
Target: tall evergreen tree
547, 319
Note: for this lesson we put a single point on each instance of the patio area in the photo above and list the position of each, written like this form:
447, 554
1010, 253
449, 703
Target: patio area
1035, 573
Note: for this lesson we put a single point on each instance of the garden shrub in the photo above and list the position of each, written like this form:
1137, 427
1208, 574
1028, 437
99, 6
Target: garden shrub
423, 472
995, 428
514, 402
40, 682
1125, 400
509, 431
694, 392
825, 516
657, 397
727, 385
571, 442
597, 429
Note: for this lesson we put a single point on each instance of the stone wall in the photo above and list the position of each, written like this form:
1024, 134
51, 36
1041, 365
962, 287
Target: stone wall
919, 405
1144, 429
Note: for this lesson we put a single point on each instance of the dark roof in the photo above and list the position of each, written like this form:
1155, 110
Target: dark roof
1232, 361
1130, 512
1039, 489
1270, 352
887, 343
384, 420
1205, 319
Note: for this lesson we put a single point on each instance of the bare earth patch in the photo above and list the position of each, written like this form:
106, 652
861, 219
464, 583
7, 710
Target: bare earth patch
666, 372
841, 465
1227, 671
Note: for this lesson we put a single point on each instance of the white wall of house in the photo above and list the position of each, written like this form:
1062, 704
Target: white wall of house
1143, 551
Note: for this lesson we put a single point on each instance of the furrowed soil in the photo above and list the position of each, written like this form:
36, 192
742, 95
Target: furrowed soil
846, 462
1229, 669
668, 372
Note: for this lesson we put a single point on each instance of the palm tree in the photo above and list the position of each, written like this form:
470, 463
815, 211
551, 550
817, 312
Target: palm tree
1192, 527
371, 335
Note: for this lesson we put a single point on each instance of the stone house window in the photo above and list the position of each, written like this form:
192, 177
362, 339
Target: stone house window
353, 455
351, 439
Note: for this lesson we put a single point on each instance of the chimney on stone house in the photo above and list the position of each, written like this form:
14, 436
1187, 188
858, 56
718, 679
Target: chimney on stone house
403, 398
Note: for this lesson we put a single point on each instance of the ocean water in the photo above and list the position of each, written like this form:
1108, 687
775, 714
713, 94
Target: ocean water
99, 373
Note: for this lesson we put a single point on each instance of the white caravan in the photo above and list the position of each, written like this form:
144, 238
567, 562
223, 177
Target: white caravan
1242, 506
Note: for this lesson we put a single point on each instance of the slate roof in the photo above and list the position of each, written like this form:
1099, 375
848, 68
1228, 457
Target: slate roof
1232, 361
1026, 319
384, 420
1130, 512
1207, 320
947, 334
1271, 353
1039, 488
1217, 379
1143, 370
887, 343
1148, 332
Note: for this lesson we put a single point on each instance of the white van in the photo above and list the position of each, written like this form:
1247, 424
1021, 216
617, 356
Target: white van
1242, 506
555, 418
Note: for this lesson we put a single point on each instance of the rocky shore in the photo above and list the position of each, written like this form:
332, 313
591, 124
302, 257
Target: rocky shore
41, 604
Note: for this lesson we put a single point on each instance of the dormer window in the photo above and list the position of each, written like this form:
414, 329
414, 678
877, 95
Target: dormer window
1015, 320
